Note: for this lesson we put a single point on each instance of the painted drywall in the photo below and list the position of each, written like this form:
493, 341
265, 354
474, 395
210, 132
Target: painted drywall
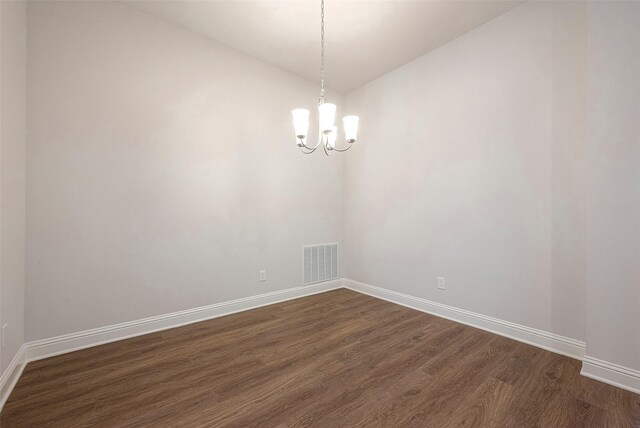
470, 167
162, 171
154, 191
13, 61
613, 177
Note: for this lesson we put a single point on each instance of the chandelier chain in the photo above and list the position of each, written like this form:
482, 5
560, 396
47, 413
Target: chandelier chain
322, 92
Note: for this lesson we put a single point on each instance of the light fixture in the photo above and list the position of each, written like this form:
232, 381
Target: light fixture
327, 131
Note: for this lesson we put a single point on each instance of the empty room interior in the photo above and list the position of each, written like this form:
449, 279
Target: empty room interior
323, 213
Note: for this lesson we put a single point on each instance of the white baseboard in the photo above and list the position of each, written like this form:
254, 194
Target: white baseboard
542, 339
11, 375
40, 349
85, 339
613, 374
594, 368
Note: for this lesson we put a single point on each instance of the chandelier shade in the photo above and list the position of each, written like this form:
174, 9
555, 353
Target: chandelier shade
301, 122
350, 128
326, 117
331, 137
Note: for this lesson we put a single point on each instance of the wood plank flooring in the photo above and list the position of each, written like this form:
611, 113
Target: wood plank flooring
337, 359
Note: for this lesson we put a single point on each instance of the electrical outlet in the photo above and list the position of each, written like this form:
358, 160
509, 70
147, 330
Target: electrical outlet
263, 275
441, 284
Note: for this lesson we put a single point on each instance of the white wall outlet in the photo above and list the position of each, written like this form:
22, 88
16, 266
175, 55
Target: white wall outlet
441, 283
4, 334
263, 275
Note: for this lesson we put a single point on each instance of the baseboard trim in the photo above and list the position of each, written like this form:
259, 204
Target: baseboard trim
40, 349
11, 375
613, 374
542, 339
603, 371
46, 348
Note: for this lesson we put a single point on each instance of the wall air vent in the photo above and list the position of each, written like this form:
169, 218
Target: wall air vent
319, 263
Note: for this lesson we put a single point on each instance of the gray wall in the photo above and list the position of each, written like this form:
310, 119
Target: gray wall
153, 185
470, 166
613, 197
13, 32
162, 171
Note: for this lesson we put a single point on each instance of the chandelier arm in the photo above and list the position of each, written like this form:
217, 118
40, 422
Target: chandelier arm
343, 150
309, 148
307, 152
326, 152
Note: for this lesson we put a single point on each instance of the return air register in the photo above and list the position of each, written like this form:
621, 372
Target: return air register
319, 263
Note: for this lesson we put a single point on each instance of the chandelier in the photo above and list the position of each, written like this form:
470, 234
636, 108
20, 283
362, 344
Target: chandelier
327, 131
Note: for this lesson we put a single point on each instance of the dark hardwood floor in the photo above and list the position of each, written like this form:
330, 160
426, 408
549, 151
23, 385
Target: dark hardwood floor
335, 359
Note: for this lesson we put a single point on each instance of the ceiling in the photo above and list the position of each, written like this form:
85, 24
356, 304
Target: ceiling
364, 38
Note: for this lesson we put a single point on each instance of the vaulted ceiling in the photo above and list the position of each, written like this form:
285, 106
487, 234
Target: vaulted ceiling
364, 39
